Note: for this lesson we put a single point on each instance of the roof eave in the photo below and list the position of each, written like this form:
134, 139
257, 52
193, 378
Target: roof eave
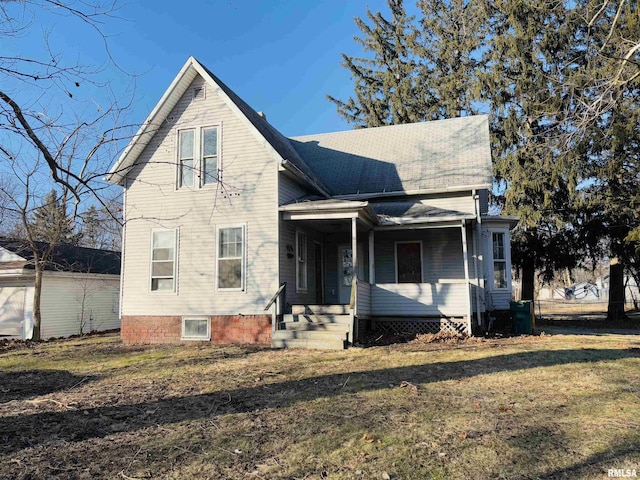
142, 137
304, 178
408, 193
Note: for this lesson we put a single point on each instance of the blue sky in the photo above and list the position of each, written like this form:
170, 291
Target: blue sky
281, 56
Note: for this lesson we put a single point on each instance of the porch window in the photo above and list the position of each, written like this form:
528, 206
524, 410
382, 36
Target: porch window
163, 260
231, 247
499, 260
409, 262
301, 261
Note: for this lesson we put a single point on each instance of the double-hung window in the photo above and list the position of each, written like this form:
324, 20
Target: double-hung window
409, 262
301, 261
186, 158
163, 260
198, 156
209, 167
499, 260
231, 254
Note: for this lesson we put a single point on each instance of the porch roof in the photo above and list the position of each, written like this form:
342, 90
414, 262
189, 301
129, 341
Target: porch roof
406, 213
379, 213
329, 209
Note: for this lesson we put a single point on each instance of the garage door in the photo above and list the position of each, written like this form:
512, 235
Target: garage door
11, 310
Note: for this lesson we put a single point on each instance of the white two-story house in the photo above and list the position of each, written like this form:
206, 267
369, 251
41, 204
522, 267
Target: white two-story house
236, 234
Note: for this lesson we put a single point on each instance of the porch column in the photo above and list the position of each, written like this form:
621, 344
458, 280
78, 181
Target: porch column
354, 282
372, 263
465, 256
354, 247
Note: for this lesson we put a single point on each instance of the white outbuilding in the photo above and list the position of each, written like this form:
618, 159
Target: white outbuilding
80, 290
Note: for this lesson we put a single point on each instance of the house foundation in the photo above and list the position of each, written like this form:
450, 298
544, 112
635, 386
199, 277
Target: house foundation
225, 329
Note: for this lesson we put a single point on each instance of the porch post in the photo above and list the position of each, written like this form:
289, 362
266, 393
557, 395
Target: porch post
465, 256
354, 282
372, 263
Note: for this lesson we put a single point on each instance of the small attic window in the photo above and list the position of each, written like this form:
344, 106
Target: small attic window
198, 93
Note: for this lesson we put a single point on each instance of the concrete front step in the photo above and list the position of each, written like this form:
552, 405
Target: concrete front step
320, 309
315, 326
322, 344
309, 319
310, 335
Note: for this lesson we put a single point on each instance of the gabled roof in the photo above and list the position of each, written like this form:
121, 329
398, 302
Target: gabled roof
63, 258
279, 144
440, 155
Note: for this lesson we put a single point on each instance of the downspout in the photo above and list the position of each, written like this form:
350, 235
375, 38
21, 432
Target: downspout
476, 205
122, 248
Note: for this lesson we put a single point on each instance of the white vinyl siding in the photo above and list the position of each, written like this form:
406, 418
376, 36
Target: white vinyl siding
230, 261
302, 259
78, 303
249, 197
163, 260
416, 299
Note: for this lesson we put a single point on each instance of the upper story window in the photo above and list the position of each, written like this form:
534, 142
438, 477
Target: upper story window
209, 167
186, 158
499, 260
198, 156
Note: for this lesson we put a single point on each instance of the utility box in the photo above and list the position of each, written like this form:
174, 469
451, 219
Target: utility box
522, 315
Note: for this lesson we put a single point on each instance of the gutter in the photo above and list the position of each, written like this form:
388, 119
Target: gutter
290, 167
404, 193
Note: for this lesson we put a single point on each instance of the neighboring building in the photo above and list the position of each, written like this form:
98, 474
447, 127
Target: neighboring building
383, 228
80, 290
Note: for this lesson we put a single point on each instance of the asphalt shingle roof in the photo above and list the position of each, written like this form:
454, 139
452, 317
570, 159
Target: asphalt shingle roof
418, 156
68, 258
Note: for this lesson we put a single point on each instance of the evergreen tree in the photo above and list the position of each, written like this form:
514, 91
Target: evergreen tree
447, 46
530, 55
607, 118
387, 85
50, 222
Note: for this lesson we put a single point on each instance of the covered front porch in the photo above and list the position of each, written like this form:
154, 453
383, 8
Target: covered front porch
392, 277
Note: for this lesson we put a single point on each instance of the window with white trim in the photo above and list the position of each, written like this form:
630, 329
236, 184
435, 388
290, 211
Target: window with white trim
409, 262
499, 260
196, 328
186, 158
301, 261
198, 156
163, 260
231, 248
209, 167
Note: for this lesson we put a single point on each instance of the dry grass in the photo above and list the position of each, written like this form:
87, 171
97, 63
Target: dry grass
530, 407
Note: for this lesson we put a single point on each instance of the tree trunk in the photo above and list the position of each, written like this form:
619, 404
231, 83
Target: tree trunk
37, 316
615, 310
528, 279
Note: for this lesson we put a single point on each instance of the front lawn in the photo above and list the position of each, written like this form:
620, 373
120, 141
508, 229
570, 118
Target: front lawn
554, 406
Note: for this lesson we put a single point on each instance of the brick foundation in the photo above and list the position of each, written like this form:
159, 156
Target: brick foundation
225, 329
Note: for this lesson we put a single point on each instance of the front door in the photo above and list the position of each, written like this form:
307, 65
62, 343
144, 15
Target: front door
345, 274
